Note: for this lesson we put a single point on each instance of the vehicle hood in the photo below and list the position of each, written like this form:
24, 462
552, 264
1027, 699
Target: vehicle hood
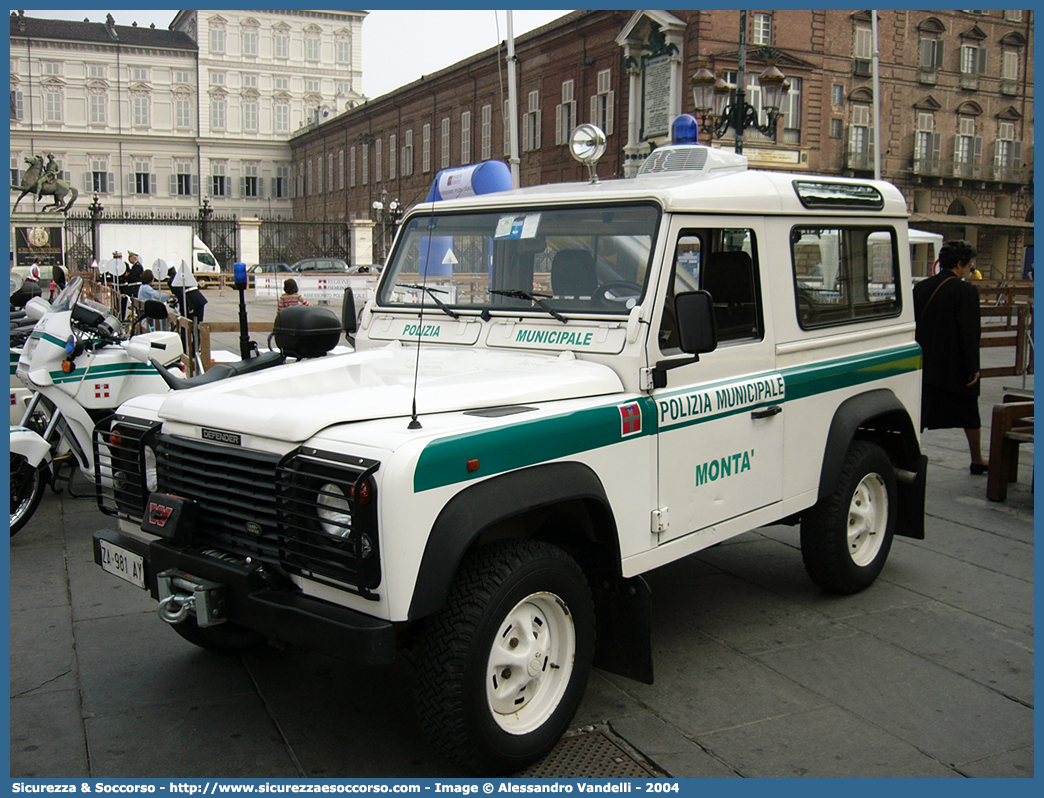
293, 402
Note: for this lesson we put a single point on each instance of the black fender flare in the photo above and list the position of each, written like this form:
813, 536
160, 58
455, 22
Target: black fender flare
853, 413
477, 508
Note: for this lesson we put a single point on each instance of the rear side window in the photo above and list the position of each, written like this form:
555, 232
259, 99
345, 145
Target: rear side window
844, 275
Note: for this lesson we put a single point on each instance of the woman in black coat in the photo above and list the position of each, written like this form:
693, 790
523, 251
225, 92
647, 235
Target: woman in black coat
948, 330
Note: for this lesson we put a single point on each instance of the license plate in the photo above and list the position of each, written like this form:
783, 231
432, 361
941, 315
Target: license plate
122, 563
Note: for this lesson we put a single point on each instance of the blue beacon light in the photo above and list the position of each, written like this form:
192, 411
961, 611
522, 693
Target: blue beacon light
685, 130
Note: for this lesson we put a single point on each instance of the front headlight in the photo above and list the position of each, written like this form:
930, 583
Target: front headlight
335, 514
151, 479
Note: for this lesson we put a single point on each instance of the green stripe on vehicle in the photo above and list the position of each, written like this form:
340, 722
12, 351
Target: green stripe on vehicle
445, 461
110, 372
47, 337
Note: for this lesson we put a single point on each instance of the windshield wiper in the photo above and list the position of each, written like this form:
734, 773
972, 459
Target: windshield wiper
432, 292
537, 298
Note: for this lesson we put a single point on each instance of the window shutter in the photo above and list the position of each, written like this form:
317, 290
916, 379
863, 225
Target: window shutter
525, 132
152, 185
977, 152
88, 180
173, 185
981, 61
559, 137
609, 112
594, 110
870, 141
261, 187
936, 145
242, 186
538, 125
195, 185
1016, 154
274, 186
957, 149
938, 54
131, 183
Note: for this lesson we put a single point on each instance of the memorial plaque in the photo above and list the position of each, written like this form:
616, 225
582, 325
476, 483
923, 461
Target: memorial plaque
656, 96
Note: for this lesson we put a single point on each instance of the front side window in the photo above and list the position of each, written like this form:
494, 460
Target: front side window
537, 260
844, 275
723, 262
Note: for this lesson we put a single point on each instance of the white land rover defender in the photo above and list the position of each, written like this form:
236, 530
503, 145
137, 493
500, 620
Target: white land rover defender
554, 390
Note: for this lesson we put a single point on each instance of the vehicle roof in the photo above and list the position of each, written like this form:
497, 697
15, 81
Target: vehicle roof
749, 191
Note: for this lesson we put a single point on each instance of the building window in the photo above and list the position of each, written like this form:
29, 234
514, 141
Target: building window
281, 83
565, 113
250, 116
183, 113
312, 48
309, 185
791, 109
927, 145
140, 104
351, 167
142, 181
365, 164
217, 78
444, 148
973, 64
281, 182
218, 108
98, 108
281, 45
52, 106
52, 68
407, 153
392, 155
250, 42
762, 29
251, 181
837, 127
1013, 16
340, 169
16, 177
378, 159
183, 76
344, 51
217, 40
140, 73
281, 113
318, 174
860, 138
862, 51
931, 53
248, 80
531, 122
219, 186
837, 95
1010, 66
182, 182
967, 149
426, 148
312, 85
100, 179
465, 137
96, 71
18, 105
602, 102
487, 133
1007, 154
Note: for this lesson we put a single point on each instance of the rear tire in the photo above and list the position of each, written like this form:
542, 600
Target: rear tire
846, 536
27, 488
224, 638
503, 666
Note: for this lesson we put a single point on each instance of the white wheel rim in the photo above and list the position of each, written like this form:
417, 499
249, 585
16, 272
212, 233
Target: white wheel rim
867, 519
530, 663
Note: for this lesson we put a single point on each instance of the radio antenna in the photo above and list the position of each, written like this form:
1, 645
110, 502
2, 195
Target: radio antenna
414, 421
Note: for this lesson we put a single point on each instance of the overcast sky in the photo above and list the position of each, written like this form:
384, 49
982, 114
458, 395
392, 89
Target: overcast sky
398, 46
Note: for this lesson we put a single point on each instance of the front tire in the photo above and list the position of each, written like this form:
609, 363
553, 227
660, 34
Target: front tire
27, 487
846, 536
503, 666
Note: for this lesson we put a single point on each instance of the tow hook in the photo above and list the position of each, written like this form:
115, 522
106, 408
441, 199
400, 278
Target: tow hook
181, 595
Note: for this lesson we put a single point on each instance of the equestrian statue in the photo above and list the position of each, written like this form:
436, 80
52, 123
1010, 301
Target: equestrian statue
41, 181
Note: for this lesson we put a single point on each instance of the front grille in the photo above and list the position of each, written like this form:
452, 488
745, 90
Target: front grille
327, 512
234, 490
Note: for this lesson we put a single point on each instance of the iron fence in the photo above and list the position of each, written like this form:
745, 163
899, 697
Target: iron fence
284, 241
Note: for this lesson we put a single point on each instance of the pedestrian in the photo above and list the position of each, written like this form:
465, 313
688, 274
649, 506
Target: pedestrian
290, 296
946, 309
147, 291
34, 271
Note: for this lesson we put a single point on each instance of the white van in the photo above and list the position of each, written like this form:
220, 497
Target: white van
554, 391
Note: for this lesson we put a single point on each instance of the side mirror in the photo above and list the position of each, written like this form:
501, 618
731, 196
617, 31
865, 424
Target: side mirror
694, 311
349, 320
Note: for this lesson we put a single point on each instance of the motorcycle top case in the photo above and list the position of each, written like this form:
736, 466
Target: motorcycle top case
305, 331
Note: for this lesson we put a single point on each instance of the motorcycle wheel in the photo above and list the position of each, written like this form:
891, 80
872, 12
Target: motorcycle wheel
27, 487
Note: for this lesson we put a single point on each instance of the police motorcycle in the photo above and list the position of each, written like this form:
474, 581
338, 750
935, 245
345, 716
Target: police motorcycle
24, 315
80, 365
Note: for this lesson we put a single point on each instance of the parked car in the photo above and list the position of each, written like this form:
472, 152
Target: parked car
270, 268
320, 266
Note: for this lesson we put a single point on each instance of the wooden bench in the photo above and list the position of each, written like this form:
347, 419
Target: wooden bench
1012, 425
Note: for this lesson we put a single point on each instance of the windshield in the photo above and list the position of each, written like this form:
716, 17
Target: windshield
579, 260
67, 298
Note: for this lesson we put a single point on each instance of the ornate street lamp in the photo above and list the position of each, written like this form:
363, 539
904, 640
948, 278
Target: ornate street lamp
386, 213
721, 108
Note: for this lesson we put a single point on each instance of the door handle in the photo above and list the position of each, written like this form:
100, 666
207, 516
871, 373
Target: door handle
768, 412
